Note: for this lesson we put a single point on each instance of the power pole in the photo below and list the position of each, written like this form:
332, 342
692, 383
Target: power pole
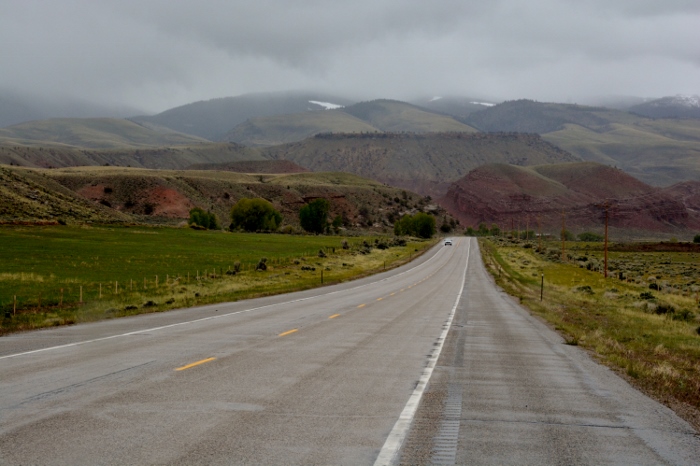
606, 209
606, 206
527, 228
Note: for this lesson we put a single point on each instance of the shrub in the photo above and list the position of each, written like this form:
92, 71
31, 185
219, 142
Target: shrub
313, 217
646, 295
663, 308
590, 237
696, 239
684, 315
654, 286
255, 215
203, 219
262, 265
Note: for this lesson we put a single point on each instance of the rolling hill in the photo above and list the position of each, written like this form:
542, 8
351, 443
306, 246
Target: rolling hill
92, 133
372, 117
511, 196
659, 152
280, 129
393, 116
424, 163
133, 195
177, 157
212, 119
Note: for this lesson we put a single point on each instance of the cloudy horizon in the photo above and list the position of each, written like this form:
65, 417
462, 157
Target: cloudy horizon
156, 54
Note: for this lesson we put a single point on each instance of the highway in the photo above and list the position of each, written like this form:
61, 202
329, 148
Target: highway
427, 363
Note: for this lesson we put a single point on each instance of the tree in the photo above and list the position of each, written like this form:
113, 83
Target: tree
421, 225
255, 215
314, 216
696, 239
203, 219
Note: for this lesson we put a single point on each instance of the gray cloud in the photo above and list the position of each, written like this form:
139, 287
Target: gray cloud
156, 54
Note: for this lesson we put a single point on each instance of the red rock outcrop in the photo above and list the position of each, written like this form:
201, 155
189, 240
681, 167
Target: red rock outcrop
508, 196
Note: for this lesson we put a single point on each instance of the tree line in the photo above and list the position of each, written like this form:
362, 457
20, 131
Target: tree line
259, 215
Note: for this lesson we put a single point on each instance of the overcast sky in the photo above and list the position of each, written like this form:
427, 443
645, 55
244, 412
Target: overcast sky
157, 54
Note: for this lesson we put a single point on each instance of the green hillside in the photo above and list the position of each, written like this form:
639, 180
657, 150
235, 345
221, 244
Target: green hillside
93, 133
395, 116
280, 129
659, 152
212, 119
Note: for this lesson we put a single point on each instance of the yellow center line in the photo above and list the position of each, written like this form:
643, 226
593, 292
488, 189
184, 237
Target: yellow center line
194, 364
288, 332
403, 289
334, 316
379, 299
392, 294
361, 305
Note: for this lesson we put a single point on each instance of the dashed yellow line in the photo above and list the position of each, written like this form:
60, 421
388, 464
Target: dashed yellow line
392, 294
334, 316
288, 332
361, 306
194, 364
379, 299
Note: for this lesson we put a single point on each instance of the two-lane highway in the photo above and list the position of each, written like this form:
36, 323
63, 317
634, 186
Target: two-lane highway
429, 363
319, 377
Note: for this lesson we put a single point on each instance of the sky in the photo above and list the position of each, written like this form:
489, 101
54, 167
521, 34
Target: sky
158, 54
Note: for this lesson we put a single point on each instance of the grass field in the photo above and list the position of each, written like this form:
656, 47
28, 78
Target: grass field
124, 271
651, 335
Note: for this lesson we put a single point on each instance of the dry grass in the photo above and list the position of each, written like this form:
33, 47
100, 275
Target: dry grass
659, 353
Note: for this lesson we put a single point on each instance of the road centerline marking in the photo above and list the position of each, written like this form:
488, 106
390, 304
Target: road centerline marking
334, 316
203, 361
218, 316
361, 306
288, 332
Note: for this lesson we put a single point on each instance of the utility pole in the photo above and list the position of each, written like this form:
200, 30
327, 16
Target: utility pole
527, 228
606, 206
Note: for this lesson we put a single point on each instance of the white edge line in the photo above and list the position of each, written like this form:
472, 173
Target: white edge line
136, 332
389, 452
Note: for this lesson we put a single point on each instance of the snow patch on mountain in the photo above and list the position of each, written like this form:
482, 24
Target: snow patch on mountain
485, 104
326, 105
688, 101
435, 98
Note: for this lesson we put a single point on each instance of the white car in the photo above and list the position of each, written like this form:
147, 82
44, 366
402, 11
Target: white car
448, 242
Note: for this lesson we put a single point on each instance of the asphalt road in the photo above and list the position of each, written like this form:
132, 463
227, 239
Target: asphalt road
329, 376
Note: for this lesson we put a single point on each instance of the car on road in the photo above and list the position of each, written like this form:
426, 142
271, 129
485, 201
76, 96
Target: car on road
448, 242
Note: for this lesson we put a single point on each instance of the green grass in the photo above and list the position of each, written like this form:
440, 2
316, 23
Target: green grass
658, 352
120, 269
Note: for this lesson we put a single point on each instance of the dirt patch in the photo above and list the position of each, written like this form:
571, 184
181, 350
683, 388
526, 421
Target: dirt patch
168, 202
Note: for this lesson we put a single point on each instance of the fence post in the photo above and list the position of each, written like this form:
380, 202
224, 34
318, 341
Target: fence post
14, 306
542, 288
60, 303
81, 294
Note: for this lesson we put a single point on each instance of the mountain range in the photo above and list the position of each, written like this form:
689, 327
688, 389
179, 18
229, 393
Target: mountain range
427, 146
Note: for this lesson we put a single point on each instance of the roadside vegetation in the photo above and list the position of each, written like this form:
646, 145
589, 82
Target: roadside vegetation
119, 271
641, 321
